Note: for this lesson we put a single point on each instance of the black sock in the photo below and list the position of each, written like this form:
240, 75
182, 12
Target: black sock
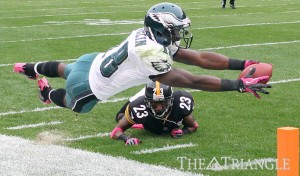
29, 69
58, 96
49, 69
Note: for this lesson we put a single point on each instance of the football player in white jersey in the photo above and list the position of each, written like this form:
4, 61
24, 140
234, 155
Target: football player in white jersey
158, 110
146, 55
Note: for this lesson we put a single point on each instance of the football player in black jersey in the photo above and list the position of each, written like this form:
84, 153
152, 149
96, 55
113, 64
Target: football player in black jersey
158, 110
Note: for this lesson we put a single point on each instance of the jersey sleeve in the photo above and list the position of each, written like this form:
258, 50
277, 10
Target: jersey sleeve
184, 102
136, 111
128, 116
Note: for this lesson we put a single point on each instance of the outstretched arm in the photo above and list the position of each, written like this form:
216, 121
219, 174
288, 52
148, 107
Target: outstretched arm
210, 60
181, 78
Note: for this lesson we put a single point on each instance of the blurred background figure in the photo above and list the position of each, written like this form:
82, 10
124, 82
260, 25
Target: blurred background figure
223, 4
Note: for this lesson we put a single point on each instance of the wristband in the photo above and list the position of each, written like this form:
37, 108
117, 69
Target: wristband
229, 85
122, 137
235, 64
185, 130
115, 130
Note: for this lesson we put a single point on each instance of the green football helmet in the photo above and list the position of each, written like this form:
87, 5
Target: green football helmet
167, 24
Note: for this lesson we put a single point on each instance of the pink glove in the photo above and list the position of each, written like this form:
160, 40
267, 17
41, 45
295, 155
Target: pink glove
176, 133
132, 141
250, 62
254, 85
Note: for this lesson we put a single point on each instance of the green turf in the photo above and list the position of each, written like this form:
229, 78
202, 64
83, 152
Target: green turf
230, 124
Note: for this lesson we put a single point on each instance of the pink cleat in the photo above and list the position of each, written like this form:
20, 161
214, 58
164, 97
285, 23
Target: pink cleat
21, 68
44, 89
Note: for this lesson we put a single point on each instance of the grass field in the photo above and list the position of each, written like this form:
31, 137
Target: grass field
231, 125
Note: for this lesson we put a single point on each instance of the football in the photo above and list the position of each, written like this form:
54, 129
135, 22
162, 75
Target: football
262, 69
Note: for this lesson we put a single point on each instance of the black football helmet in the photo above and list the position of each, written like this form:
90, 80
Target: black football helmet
167, 24
159, 98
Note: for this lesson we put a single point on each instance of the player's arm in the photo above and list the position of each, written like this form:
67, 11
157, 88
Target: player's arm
190, 125
181, 78
211, 60
121, 112
119, 131
124, 123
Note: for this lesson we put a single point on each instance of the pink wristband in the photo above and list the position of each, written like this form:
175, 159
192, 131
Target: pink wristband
114, 131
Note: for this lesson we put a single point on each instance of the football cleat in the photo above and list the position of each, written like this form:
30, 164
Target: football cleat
21, 68
44, 89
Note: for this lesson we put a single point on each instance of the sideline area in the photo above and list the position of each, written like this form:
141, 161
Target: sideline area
24, 157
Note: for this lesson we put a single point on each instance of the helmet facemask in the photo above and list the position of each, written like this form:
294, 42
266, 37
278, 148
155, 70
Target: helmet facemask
159, 108
158, 98
181, 35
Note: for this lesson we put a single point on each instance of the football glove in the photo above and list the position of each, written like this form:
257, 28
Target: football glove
132, 141
176, 133
250, 62
253, 85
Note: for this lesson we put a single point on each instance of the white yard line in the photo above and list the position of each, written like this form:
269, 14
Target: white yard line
108, 12
126, 33
252, 44
252, 24
105, 134
70, 37
34, 125
215, 48
57, 107
165, 148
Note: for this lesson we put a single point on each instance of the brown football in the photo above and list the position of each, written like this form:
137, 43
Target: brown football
262, 69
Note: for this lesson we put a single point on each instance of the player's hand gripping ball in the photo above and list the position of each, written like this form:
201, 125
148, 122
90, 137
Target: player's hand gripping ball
262, 69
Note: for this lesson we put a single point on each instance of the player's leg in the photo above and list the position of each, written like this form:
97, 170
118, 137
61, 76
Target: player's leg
32, 70
223, 3
232, 4
79, 96
48, 95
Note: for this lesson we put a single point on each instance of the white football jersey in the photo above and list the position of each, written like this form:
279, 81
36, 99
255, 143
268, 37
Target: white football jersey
128, 64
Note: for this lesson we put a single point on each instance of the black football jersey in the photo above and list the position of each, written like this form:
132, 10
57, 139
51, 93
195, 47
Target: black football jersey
137, 112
